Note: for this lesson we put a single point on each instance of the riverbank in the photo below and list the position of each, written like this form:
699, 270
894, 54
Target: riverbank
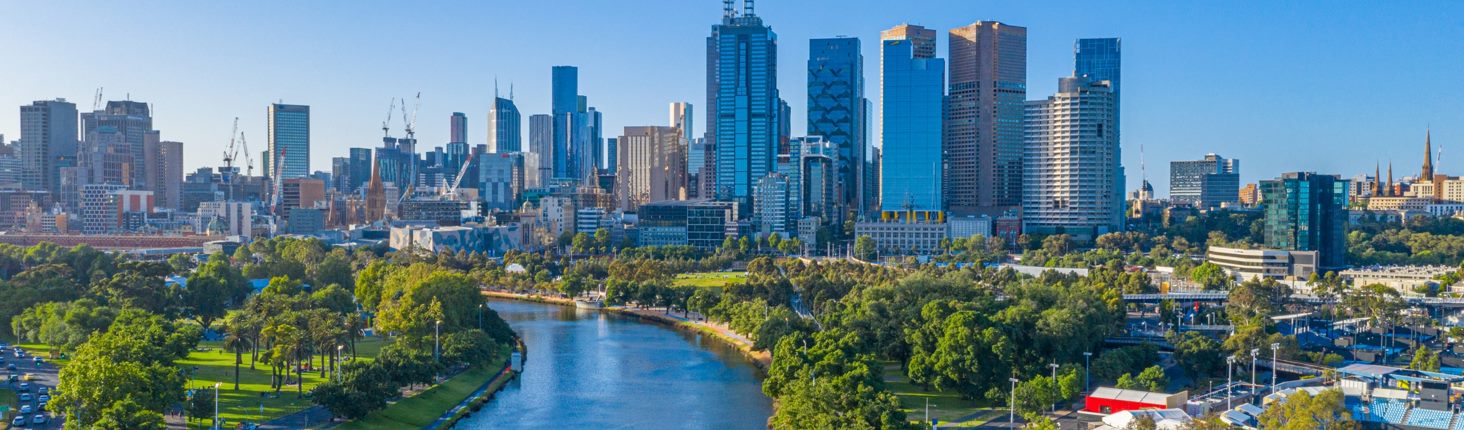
441, 403
762, 359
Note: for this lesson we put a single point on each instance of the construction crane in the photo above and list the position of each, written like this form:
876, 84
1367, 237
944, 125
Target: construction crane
452, 192
411, 137
231, 151
279, 183
97, 101
386, 123
248, 159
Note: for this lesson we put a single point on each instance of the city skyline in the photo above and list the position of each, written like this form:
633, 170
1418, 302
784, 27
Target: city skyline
1182, 99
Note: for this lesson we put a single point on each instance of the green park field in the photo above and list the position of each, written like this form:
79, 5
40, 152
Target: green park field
710, 279
949, 408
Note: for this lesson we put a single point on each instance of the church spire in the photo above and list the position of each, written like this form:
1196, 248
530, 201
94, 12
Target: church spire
1390, 178
1377, 178
1428, 172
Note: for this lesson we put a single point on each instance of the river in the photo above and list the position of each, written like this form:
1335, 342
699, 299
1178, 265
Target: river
596, 370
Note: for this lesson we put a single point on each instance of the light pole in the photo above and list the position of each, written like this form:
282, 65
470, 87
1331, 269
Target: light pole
1087, 356
340, 350
1274, 347
1229, 367
437, 342
1012, 405
1254, 352
216, 405
480, 315
1054, 384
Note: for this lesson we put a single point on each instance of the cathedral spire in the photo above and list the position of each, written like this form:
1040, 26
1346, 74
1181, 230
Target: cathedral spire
1377, 178
1390, 178
1428, 173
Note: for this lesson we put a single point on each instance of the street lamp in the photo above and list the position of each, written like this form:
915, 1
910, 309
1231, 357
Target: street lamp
1274, 347
1054, 384
480, 315
1229, 367
1254, 352
340, 351
216, 405
1087, 356
1012, 405
437, 342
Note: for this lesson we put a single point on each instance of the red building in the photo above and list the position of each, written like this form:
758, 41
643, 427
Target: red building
1107, 400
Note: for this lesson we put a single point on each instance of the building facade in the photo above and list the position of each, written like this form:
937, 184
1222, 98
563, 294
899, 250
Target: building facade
773, 207
743, 106
1073, 180
1205, 183
698, 223
504, 129
652, 166
132, 120
540, 162
911, 94
1307, 212
983, 117
48, 143
836, 112
289, 142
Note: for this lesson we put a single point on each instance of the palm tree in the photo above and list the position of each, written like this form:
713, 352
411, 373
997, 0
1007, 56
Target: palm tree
237, 343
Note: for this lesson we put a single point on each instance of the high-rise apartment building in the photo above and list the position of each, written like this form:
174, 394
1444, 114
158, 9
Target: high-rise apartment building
540, 163
47, 144
458, 124
1307, 212
1073, 180
836, 112
652, 166
165, 170
743, 107
912, 84
983, 118
504, 129
133, 120
816, 189
289, 142
1205, 183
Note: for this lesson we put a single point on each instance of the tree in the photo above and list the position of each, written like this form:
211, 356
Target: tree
1199, 355
133, 359
1302, 411
1424, 359
1153, 379
213, 289
62, 325
200, 405
363, 387
1210, 276
38, 284
864, 248
128, 414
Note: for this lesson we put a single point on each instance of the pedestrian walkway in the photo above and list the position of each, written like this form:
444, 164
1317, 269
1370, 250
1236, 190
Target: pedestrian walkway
468, 401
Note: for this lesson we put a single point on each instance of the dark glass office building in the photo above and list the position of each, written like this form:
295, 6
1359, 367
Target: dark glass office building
1308, 212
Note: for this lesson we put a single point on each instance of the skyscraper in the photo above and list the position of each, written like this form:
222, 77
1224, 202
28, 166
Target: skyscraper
47, 143
743, 109
1101, 60
836, 111
540, 164
983, 127
564, 100
165, 170
289, 141
1073, 182
459, 125
504, 129
652, 166
1307, 212
133, 120
911, 94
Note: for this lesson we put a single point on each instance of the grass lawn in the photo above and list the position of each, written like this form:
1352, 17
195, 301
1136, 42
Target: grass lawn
217, 365
710, 279
422, 409
949, 408
39, 350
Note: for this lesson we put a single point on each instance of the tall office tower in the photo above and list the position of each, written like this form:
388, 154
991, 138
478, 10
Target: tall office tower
454, 159
589, 143
816, 187
47, 143
165, 170
1073, 182
1307, 212
105, 158
541, 150
289, 141
1101, 60
698, 157
340, 172
612, 155
836, 111
983, 118
873, 171
789, 164
459, 127
911, 88
1205, 183
652, 166
743, 107
773, 206
564, 100
504, 129
358, 170
134, 120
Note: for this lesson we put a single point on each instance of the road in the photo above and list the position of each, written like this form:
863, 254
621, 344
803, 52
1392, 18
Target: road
42, 375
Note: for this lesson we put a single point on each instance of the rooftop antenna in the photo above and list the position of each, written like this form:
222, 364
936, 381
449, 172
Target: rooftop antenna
495, 88
510, 91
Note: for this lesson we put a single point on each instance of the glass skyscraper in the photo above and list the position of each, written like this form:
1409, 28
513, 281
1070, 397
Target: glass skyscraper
835, 112
48, 143
743, 108
289, 141
1099, 60
564, 100
912, 85
504, 129
1307, 212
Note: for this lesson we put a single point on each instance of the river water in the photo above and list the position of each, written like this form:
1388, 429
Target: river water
594, 370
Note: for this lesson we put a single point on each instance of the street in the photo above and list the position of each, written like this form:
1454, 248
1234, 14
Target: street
40, 375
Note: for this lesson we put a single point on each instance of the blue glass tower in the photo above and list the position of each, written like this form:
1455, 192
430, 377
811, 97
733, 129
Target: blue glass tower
835, 111
743, 109
289, 141
912, 98
564, 101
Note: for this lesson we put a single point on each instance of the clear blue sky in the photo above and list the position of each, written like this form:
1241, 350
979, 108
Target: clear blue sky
1284, 86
